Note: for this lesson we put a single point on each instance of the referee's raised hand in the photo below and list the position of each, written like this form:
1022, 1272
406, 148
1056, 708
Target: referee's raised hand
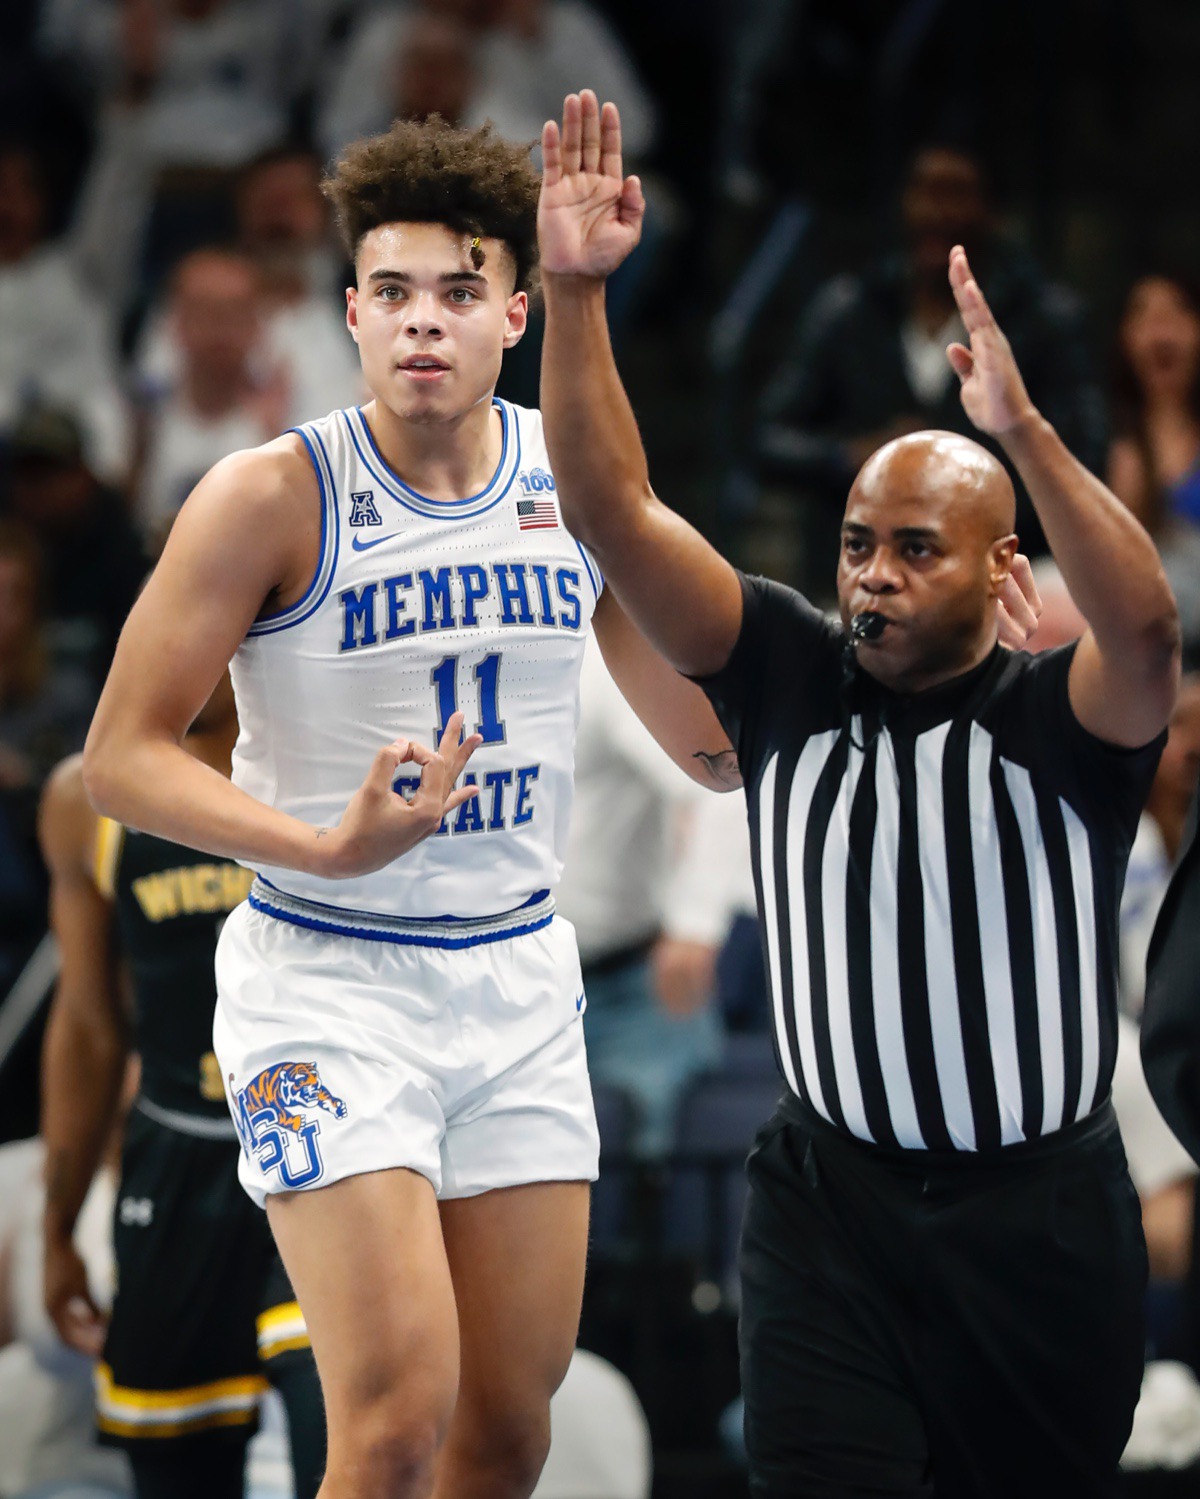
993, 392
590, 212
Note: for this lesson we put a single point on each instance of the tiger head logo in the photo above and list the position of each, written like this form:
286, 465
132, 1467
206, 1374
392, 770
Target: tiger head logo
286, 1089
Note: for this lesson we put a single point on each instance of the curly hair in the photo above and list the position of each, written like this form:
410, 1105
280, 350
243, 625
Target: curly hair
429, 172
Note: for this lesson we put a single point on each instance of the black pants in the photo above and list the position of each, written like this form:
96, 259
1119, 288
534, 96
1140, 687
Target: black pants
967, 1328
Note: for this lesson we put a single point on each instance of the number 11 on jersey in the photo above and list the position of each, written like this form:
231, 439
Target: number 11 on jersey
444, 677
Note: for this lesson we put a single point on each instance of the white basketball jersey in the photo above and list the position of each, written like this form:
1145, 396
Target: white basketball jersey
418, 608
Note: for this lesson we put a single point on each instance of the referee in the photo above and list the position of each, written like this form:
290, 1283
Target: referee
942, 1259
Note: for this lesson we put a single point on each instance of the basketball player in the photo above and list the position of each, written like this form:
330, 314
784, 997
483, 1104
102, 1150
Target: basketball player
398, 1023
204, 1316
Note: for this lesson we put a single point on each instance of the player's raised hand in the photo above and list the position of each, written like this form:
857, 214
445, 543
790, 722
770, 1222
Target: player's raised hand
378, 825
590, 213
993, 393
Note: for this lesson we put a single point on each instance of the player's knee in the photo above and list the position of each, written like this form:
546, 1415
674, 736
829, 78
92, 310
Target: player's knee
390, 1445
386, 1459
511, 1448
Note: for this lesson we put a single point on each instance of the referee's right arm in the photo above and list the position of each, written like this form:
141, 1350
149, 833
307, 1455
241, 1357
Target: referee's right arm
680, 592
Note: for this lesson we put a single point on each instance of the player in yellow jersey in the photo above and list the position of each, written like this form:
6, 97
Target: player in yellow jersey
204, 1317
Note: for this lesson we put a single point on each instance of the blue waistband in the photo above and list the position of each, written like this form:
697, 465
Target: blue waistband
452, 932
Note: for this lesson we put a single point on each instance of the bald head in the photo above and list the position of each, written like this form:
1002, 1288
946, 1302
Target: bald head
927, 542
963, 485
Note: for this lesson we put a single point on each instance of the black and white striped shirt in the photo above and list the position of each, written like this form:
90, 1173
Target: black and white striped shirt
939, 879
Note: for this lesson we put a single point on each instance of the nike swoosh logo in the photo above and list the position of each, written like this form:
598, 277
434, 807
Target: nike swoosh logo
360, 545
579, 1003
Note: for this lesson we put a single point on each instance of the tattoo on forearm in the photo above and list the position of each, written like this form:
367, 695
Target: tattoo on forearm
721, 765
322, 831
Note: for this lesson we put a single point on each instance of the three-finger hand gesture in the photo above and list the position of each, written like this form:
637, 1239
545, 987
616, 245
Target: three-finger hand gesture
993, 393
378, 825
1019, 606
589, 213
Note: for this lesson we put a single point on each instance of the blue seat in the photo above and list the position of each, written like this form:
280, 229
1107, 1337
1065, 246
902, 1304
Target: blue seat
611, 1194
748, 1056
741, 979
706, 1185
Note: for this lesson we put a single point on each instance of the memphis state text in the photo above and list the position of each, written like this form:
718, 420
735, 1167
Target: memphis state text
529, 594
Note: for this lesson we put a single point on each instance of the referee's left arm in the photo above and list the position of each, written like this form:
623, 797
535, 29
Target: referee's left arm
1125, 674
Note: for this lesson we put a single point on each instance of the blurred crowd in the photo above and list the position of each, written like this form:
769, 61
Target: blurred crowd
170, 291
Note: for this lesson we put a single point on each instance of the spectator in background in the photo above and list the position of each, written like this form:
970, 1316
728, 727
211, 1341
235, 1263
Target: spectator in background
710, 949
221, 401
45, 708
44, 713
93, 560
436, 69
56, 340
184, 93
216, 77
306, 348
510, 61
283, 226
868, 362
539, 50
1154, 461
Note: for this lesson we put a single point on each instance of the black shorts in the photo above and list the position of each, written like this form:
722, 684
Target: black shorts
965, 1328
203, 1309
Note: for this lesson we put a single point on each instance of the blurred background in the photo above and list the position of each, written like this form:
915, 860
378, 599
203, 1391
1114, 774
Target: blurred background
170, 291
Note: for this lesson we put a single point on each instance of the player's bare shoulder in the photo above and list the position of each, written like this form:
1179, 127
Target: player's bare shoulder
260, 510
278, 476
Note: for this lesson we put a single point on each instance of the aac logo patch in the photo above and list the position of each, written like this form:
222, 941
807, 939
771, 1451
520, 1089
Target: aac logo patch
363, 510
275, 1124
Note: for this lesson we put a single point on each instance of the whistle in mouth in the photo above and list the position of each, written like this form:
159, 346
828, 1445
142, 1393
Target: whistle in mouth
866, 626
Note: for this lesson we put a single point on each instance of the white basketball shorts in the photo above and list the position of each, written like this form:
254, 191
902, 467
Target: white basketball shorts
453, 1049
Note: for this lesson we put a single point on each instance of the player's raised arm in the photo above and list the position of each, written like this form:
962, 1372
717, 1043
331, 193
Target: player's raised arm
1126, 669
232, 550
680, 592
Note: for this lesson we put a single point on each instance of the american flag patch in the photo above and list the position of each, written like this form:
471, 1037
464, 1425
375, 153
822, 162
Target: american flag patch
537, 515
